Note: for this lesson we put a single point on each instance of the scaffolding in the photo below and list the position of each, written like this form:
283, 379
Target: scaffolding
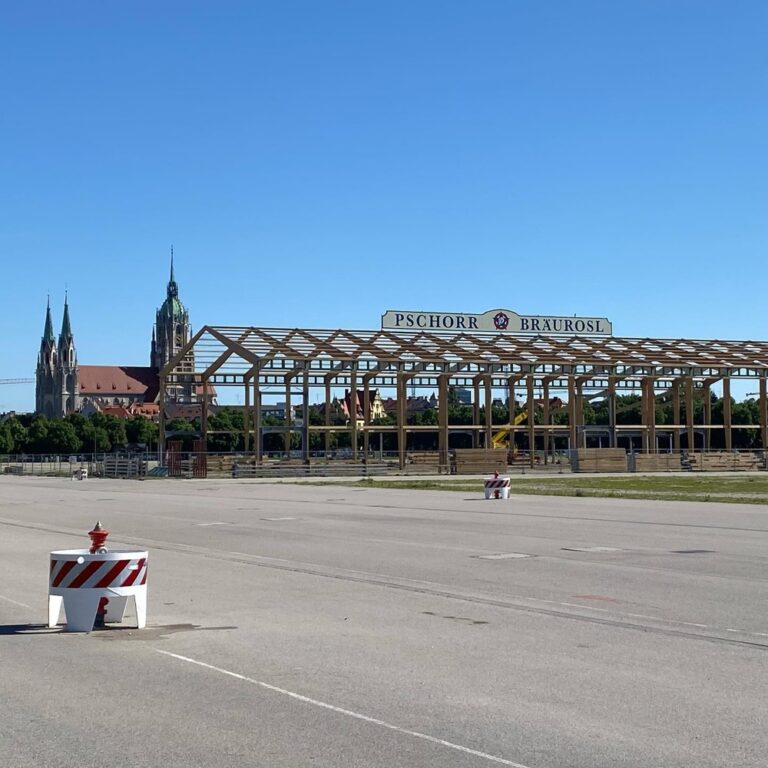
297, 361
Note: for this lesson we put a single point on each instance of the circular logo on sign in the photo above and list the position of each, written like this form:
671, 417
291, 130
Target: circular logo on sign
501, 321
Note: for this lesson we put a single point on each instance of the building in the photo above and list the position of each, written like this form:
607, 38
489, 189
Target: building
64, 386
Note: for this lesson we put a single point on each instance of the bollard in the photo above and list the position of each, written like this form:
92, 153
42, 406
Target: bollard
497, 487
94, 584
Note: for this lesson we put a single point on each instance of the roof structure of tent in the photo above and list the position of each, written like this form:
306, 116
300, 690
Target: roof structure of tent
584, 366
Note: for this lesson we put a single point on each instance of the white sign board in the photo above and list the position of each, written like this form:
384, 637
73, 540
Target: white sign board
494, 321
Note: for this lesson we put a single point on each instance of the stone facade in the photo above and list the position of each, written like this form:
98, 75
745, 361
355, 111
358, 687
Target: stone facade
63, 386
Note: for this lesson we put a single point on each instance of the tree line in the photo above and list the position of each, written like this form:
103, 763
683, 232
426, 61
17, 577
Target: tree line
101, 433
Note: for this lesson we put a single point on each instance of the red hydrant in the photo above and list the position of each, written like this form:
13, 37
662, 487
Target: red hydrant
98, 538
98, 546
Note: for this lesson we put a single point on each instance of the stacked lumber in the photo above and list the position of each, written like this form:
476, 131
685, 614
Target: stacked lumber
599, 460
478, 461
424, 461
724, 461
220, 465
657, 462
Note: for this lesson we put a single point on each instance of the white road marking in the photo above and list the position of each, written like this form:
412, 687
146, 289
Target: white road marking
272, 519
15, 602
208, 525
591, 549
347, 712
506, 556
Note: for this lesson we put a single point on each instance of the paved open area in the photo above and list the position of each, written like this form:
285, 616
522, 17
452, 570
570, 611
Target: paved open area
328, 626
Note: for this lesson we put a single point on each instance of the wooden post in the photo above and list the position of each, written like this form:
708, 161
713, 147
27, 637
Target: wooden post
258, 431
476, 412
442, 420
579, 401
547, 419
727, 425
488, 413
287, 416
531, 421
572, 411
353, 410
676, 415
644, 418
247, 413
689, 411
402, 389
707, 414
649, 402
204, 414
305, 416
612, 411
763, 410
327, 416
366, 415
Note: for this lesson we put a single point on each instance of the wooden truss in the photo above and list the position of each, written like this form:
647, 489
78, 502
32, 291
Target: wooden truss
298, 360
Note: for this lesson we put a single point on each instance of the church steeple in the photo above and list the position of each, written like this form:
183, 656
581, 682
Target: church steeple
45, 374
173, 289
66, 327
48, 336
171, 329
57, 373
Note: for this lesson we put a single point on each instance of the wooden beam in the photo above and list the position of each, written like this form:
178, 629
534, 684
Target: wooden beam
727, 421
531, 420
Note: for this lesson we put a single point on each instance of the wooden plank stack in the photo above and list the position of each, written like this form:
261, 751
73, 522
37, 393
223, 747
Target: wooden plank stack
657, 462
424, 462
724, 461
599, 460
478, 461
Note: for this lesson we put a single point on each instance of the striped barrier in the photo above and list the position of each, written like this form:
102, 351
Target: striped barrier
497, 488
96, 583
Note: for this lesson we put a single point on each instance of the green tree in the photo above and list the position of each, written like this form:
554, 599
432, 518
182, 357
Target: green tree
140, 429
37, 436
225, 431
62, 438
18, 433
6, 440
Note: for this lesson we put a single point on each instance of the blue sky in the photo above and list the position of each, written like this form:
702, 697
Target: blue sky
316, 163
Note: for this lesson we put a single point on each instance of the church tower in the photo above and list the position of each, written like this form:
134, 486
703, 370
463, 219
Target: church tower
66, 384
171, 331
47, 365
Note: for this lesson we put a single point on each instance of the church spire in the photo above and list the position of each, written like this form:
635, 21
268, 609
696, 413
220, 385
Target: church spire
173, 289
66, 327
48, 335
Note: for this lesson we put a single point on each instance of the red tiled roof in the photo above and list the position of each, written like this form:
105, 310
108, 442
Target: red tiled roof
115, 380
120, 411
144, 409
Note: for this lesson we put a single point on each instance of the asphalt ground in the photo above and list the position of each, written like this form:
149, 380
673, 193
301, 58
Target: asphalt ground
300, 625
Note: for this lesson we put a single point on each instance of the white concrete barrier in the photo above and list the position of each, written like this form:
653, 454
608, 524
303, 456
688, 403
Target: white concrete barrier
85, 582
497, 488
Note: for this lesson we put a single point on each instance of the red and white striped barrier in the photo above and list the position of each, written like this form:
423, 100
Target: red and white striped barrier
497, 488
86, 582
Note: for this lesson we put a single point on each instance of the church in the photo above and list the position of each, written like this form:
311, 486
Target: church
63, 386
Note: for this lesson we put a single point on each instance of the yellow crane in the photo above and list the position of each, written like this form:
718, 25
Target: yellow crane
501, 438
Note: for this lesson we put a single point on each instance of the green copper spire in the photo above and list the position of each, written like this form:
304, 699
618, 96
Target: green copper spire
66, 328
48, 332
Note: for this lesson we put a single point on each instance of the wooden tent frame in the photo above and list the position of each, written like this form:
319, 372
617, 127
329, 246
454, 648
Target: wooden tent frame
299, 360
